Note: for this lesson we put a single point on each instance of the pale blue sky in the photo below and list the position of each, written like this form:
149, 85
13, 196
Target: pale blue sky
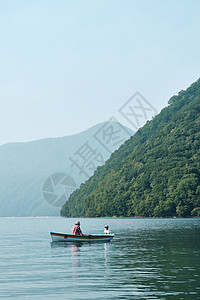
68, 65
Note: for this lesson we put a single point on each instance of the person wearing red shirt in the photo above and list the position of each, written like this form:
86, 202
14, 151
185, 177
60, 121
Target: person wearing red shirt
76, 230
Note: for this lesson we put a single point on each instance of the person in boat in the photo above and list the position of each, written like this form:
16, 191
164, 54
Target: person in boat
76, 229
106, 231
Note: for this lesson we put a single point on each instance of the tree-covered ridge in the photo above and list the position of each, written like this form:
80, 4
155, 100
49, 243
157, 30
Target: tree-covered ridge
156, 173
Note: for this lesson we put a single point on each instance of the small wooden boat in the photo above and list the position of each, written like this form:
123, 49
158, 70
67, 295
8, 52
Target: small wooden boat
61, 237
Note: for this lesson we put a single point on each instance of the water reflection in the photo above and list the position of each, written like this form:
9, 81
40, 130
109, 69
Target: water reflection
150, 260
75, 247
75, 259
106, 248
73, 255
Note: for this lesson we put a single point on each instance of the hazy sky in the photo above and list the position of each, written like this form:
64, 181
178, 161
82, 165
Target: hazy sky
68, 65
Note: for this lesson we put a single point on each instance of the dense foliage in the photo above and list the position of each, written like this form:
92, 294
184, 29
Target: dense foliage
156, 173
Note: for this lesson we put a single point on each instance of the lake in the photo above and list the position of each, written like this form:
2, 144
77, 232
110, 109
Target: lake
148, 259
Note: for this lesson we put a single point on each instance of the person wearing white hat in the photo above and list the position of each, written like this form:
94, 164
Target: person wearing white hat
76, 229
106, 231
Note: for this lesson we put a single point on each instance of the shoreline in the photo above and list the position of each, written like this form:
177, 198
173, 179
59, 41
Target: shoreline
114, 217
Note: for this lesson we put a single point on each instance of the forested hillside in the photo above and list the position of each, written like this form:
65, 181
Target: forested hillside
156, 173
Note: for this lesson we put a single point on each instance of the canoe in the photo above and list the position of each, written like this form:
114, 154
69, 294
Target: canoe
61, 237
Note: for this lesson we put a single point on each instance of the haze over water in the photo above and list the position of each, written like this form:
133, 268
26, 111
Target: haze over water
148, 259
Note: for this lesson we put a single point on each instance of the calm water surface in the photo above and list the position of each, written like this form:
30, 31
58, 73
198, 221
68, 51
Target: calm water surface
148, 259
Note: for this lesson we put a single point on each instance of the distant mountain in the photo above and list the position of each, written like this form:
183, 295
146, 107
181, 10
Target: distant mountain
37, 177
156, 173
